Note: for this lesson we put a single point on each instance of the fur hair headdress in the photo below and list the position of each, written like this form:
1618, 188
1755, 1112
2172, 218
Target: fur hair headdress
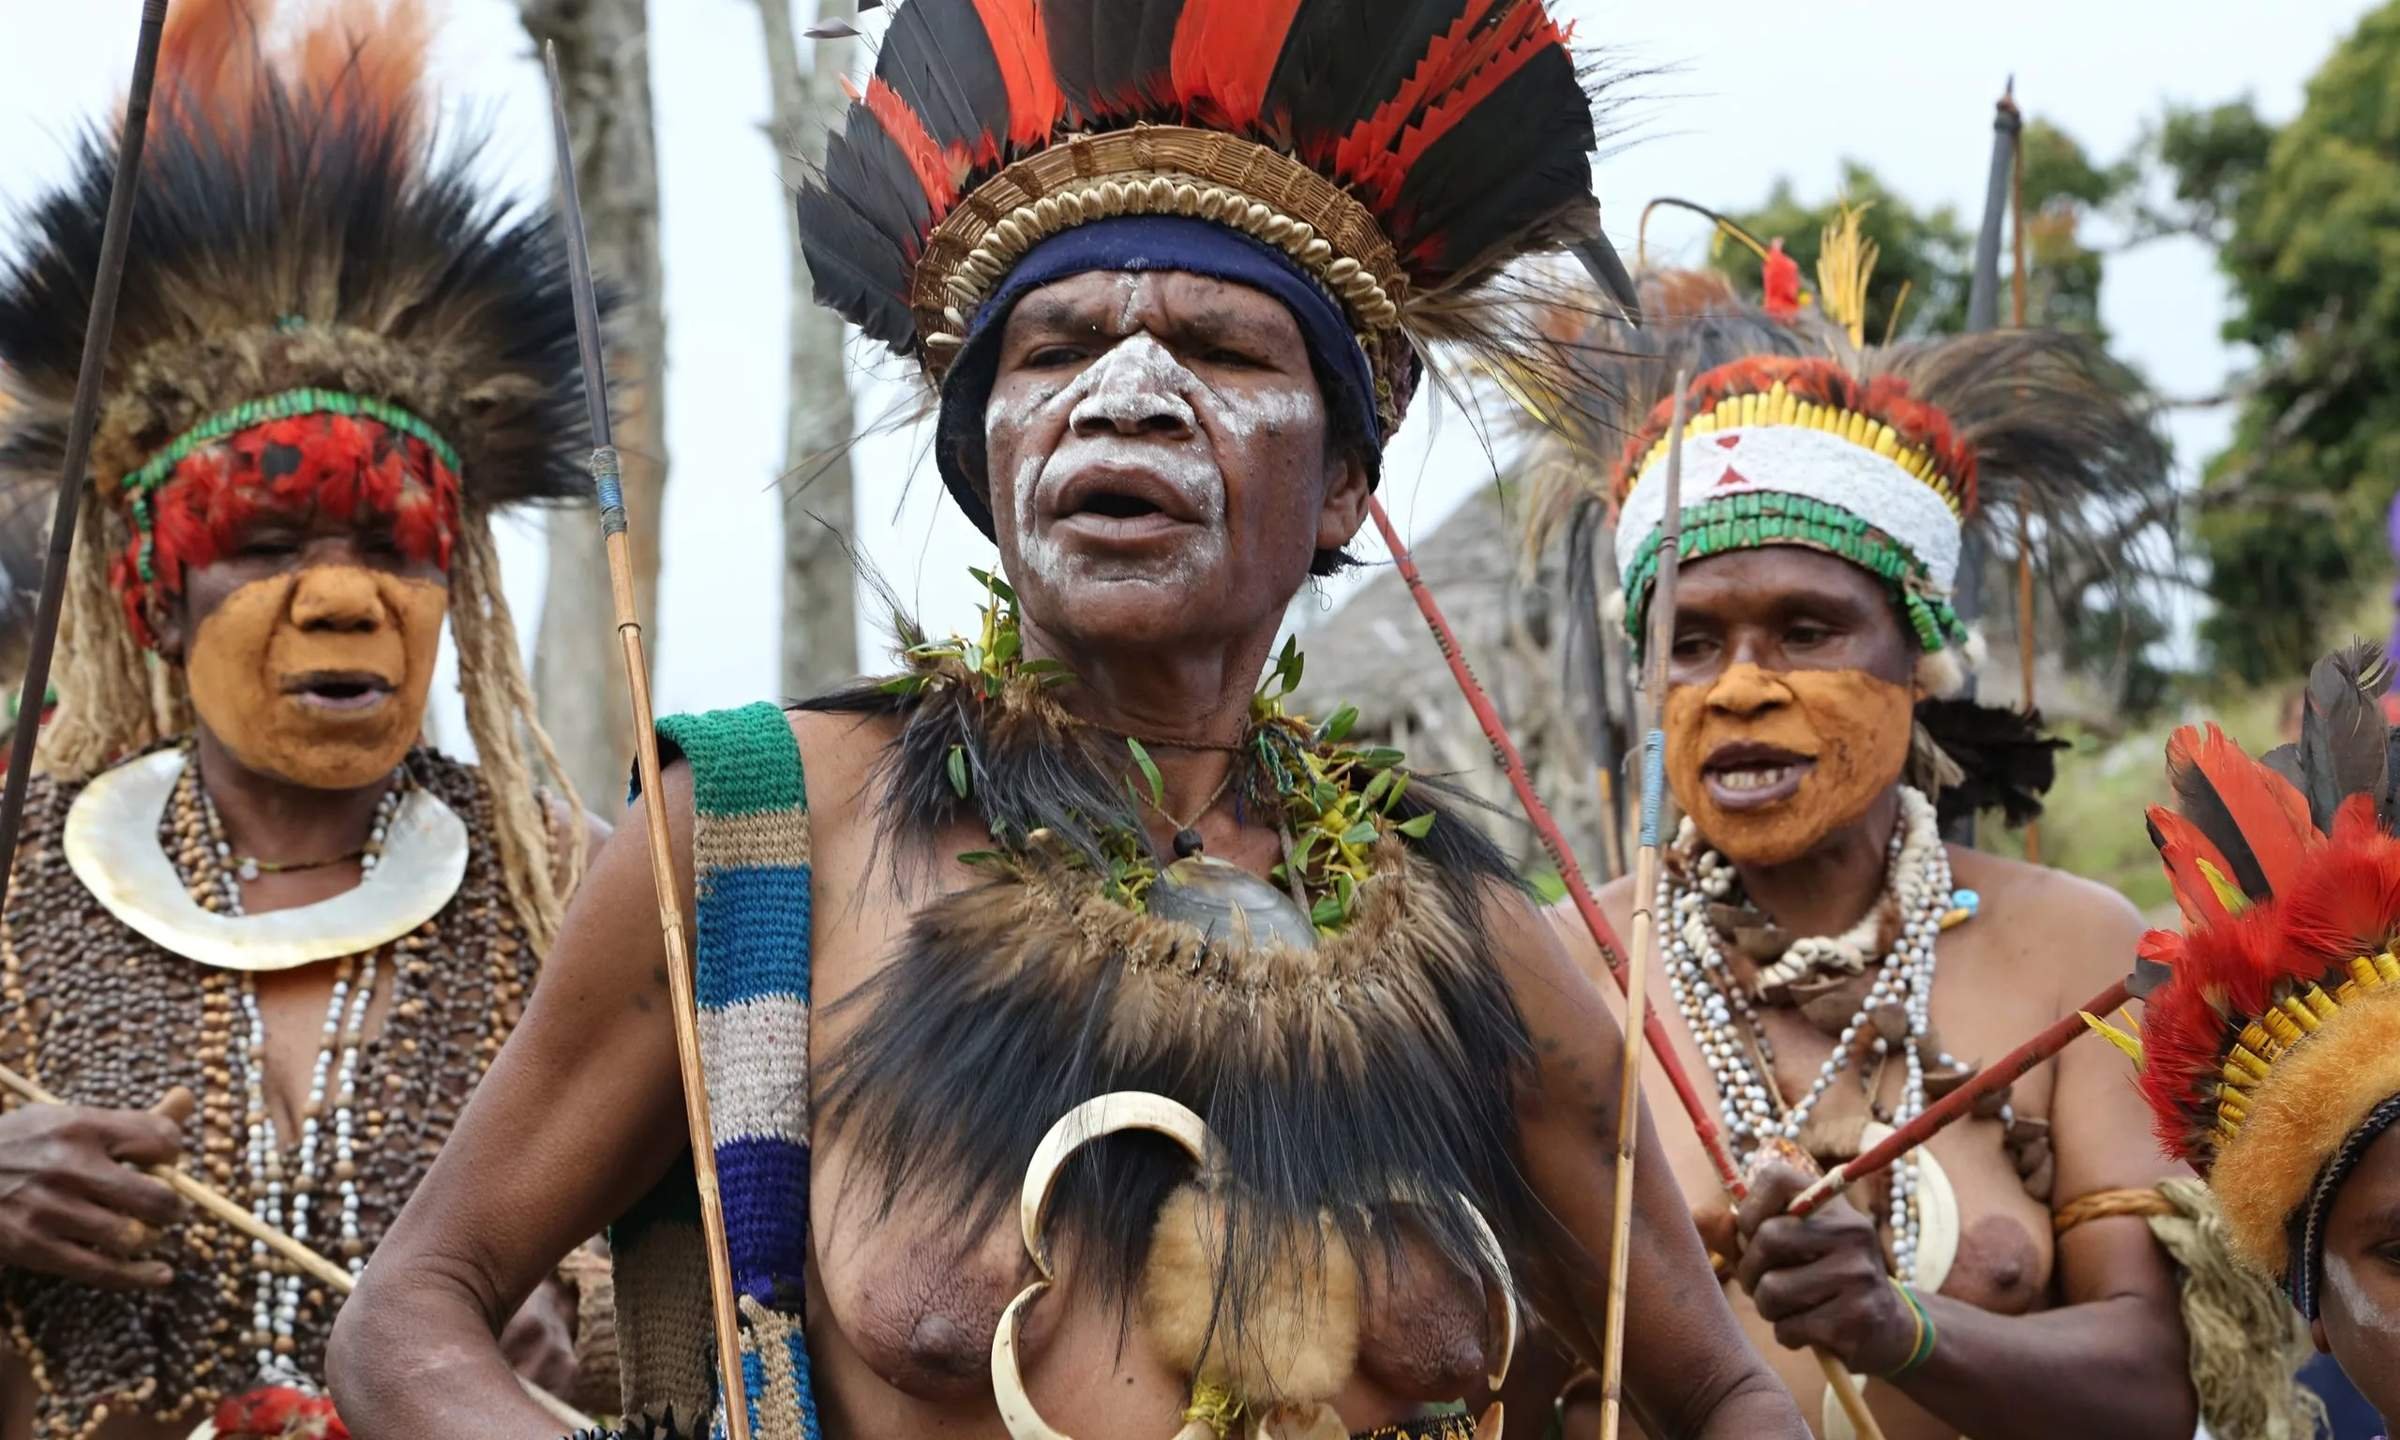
321, 307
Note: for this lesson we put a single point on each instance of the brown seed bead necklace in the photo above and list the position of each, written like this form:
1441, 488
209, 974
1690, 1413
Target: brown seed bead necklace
275, 1301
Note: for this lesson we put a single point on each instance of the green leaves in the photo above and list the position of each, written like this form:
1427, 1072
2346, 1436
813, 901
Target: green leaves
958, 770
1284, 676
996, 587
1337, 726
1416, 827
1149, 769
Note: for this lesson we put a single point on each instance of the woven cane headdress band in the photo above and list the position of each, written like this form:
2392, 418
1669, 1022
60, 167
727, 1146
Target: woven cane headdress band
1154, 170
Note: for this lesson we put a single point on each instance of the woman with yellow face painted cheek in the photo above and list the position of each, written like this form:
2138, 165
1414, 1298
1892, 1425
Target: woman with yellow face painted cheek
1783, 725
317, 671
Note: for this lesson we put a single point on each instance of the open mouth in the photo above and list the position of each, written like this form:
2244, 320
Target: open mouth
1121, 505
1751, 777
342, 691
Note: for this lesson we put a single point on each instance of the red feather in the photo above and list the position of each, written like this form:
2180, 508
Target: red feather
1035, 103
2181, 848
1781, 274
2270, 814
2344, 902
907, 129
1225, 56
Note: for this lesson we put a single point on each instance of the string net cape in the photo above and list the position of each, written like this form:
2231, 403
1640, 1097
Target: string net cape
323, 307
2269, 1043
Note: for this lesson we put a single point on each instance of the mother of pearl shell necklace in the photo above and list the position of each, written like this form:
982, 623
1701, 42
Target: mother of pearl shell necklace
1724, 1023
216, 883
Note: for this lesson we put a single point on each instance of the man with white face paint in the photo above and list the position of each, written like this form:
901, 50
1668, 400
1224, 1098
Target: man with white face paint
1835, 965
1080, 872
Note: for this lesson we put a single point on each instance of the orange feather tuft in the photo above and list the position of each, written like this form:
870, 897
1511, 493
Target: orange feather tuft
2268, 814
363, 55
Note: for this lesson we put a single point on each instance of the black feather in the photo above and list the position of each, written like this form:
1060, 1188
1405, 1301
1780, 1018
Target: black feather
300, 214
2008, 763
852, 270
1342, 59
2284, 760
1112, 56
939, 59
859, 230
2343, 737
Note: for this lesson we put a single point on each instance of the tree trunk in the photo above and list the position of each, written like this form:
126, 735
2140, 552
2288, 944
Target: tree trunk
820, 591
578, 672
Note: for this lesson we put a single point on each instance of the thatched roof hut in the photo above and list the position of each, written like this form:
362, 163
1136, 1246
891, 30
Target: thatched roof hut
1375, 653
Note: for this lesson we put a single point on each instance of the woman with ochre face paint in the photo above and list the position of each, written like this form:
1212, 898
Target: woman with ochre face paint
1834, 965
259, 927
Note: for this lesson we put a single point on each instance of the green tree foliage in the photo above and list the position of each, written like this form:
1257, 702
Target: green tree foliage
1931, 253
2292, 519
1925, 254
2106, 628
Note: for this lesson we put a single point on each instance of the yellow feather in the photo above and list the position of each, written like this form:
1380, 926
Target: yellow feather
2128, 1039
2229, 894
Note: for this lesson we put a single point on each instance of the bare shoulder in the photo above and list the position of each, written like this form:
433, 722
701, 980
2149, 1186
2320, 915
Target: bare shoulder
840, 753
2081, 933
1616, 907
2039, 896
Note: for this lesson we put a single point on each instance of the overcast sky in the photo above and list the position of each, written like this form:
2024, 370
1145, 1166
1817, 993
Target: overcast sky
1754, 92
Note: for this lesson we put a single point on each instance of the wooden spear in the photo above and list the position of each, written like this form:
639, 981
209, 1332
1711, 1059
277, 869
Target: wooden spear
724, 1313
1645, 922
2025, 629
333, 1277
115, 236
1520, 780
1935, 1117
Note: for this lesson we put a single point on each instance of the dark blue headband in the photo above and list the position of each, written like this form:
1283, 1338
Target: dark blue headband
1150, 242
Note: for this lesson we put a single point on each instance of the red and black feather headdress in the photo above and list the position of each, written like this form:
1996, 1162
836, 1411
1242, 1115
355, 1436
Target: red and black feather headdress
2271, 1024
1399, 151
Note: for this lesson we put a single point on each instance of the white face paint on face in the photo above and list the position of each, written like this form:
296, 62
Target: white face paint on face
1157, 448
1133, 489
2366, 1310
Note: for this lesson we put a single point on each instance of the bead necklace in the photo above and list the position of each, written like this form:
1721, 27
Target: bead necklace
281, 1201
1723, 1019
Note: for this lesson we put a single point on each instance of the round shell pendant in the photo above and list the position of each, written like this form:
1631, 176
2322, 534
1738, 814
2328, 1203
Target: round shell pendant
1229, 905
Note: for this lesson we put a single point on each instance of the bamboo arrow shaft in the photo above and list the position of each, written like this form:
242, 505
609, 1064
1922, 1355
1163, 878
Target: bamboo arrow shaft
1645, 925
115, 238
245, 1221
724, 1315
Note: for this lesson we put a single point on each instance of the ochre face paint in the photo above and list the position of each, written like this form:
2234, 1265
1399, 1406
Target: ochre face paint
319, 676
1847, 730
